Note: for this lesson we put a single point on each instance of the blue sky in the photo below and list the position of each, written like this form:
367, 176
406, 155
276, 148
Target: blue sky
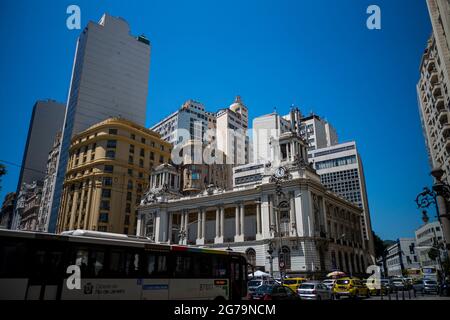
318, 55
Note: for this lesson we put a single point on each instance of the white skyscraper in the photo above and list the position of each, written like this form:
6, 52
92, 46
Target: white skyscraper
109, 79
341, 171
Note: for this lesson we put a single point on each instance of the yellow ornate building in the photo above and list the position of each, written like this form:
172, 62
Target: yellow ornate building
107, 172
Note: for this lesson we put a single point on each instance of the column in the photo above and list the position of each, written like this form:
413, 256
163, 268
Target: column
222, 222
292, 224
258, 220
239, 237
199, 225
217, 222
242, 215
139, 224
73, 209
203, 224
236, 221
181, 231
88, 205
169, 233
265, 217
200, 237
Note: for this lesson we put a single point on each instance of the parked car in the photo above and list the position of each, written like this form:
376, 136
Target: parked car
314, 291
398, 284
273, 292
387, 284
293, 283
252, 285
430, 286
329, 283
350, 287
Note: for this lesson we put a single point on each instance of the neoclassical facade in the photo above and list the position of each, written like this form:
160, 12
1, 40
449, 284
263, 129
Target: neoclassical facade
287, 222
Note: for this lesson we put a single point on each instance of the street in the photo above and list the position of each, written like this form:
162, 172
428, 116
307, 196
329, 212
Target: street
409, 296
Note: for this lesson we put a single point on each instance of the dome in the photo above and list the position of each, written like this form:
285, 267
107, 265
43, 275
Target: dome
237, 104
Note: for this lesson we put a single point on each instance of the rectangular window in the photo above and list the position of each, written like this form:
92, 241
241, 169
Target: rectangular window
107, 181
103, 217
109, 169
110, 154
112, 131
111, 143
104, 205
106, 193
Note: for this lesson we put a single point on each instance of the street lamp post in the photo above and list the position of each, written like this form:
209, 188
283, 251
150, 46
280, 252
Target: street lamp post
439, 195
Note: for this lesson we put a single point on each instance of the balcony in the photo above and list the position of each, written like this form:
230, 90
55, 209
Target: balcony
431, 65
437, 91
446, 131
433, 77
444, 117
440, 105
447, 144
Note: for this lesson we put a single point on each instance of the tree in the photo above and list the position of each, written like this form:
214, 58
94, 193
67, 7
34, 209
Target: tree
2, 173
379, 245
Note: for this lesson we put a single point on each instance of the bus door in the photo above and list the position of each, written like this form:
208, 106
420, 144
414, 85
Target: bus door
238, 278
46, 274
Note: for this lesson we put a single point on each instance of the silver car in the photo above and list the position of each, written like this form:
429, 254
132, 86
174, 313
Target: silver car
329, 283
314, 291
253, 285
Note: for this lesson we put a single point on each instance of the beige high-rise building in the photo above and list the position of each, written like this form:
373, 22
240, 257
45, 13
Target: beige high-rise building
108, 170
433, 87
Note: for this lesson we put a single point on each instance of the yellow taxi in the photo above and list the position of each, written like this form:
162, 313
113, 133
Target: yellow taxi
350, 287
293, 283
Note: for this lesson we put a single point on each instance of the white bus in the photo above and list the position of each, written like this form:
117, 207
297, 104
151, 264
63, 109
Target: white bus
33, 266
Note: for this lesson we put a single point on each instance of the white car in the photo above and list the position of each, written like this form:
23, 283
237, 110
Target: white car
314, 291
329, 283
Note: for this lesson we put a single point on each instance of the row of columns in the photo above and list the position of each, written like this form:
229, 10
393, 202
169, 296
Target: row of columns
266, 221
219, 224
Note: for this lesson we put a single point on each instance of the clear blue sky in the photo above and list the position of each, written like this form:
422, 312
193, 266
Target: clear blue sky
318, 55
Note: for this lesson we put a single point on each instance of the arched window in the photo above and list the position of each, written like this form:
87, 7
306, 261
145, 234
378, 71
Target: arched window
285, 255
251, 256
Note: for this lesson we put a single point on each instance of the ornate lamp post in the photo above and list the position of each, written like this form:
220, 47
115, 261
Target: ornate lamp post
438, 196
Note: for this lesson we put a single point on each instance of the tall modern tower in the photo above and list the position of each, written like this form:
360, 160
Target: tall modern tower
46, 121
109, 79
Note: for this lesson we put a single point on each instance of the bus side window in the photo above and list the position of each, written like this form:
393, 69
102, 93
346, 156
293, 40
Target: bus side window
116, 263
81, 260
132, 264
13, 261
156, 265
97, 263
219, 267
183, 266
203, 265
151, 264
